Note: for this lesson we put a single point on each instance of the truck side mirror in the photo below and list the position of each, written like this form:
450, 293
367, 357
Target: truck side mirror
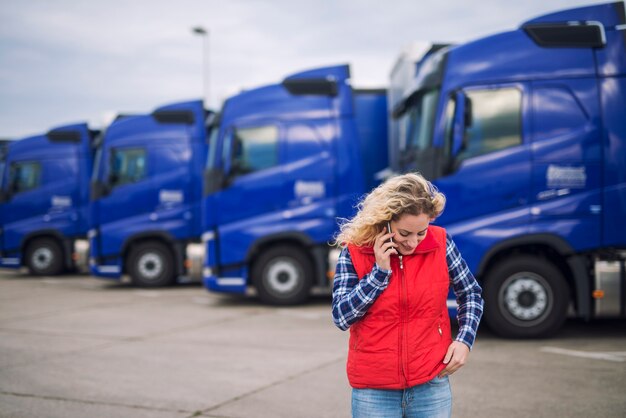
99, 189
14, 187
458, 139
113, 179
467, 113
228, 179
213, 180
462, 120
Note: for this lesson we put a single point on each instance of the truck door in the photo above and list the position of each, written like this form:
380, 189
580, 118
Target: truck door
63, 190
567, 161
129, 200
26, 205
254, 188
487, 181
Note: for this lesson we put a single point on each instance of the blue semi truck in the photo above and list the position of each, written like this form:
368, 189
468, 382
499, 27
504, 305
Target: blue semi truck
44, 198
525, 133
284, 162
146, 196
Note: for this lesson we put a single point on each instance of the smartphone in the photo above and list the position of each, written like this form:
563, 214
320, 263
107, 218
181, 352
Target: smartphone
391, 240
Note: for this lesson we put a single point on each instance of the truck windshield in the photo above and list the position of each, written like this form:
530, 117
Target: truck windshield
416, 124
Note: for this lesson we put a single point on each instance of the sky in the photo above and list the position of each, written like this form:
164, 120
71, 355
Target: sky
67, 61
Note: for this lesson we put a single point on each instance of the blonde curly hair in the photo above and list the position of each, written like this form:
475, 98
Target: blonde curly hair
405, 194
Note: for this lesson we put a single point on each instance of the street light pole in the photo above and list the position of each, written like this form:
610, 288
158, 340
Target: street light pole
201, 31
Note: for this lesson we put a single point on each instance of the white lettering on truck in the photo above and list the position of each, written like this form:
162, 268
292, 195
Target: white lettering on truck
566, 177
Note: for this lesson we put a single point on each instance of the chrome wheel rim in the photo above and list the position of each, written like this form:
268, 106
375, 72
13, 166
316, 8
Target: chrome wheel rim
525, 299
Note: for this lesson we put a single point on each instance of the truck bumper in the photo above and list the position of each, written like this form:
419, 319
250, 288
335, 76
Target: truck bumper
10, 262
214, 283
113, 271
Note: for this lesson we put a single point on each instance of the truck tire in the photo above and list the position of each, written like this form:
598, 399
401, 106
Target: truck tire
150, 264
525, 297
283, 275
44, 257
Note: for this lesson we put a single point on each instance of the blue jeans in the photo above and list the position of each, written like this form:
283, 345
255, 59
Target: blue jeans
430, 400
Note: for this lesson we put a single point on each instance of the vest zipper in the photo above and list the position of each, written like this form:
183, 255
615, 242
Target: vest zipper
403, 323
401, 265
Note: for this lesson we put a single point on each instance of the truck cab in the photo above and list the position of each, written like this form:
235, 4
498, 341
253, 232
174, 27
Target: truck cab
146, 194
284, 163
44, 195
522, 132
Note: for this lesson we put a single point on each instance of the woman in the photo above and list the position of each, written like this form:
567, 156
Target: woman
390, 289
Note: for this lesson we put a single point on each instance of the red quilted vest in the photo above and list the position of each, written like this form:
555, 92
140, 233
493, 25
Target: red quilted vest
404, 336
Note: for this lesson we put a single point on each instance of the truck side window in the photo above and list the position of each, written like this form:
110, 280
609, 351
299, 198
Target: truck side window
127, 166
496, 122
24, 177
254, 149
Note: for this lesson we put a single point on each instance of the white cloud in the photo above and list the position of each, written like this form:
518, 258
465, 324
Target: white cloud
69, 60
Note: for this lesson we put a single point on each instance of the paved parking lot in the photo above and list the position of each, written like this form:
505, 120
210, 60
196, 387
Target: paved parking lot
76, 346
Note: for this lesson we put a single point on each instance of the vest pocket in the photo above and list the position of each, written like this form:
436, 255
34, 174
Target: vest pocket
439, 292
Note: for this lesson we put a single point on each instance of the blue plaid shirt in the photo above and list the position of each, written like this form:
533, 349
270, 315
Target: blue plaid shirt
353, 297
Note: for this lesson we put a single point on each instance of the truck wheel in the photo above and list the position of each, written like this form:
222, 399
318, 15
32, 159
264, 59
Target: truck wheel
525, 296
151, 264
44, 257
283, 276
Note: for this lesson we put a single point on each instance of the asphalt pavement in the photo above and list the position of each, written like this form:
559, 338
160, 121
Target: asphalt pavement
77, 346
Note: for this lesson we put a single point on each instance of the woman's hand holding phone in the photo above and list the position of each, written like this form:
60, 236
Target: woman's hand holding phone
384, 247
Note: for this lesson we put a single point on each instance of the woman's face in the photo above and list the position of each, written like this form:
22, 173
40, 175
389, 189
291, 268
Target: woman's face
410, 231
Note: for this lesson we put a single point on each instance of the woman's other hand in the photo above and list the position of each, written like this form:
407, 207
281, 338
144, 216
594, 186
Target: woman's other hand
455, 358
